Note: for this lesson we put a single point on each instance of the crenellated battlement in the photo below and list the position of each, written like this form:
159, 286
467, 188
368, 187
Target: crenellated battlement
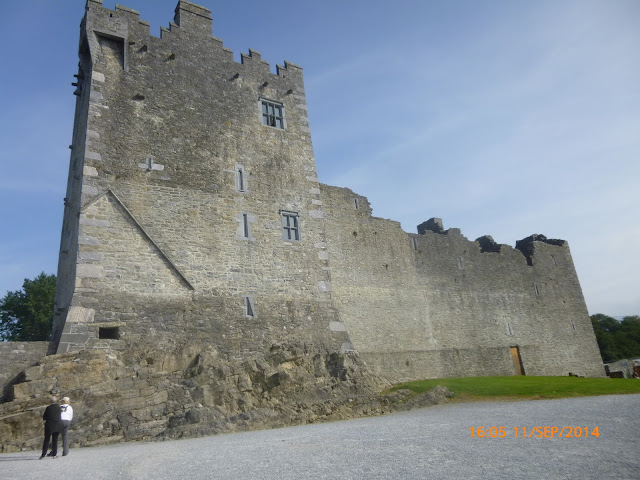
189, 20
193, 12
130, 11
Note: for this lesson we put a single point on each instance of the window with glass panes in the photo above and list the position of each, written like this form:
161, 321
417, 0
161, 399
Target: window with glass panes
272, 114
290, 226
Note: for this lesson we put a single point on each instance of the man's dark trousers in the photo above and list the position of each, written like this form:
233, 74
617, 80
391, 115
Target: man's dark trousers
48, 434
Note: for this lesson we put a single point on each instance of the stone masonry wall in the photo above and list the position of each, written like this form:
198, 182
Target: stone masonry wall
161, 244
69, 238
436, 305
16, 356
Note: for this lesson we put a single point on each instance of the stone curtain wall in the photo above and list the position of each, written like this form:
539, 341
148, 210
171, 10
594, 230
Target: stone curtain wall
16, 356
435, 305
161, 247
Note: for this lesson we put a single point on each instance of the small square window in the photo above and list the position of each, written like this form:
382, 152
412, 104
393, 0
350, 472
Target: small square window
290, 226
272, 114
109, 333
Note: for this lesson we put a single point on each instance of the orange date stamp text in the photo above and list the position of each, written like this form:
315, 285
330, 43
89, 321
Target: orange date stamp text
537, 431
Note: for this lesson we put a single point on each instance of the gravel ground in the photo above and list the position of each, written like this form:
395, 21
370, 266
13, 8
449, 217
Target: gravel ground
433, 443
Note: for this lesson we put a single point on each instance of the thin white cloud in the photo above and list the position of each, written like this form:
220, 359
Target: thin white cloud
550, 146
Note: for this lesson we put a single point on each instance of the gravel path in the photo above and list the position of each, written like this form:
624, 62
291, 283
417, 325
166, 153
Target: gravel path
433, 443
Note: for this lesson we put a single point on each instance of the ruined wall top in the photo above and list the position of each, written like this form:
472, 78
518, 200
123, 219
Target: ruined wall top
432, 225
487, 243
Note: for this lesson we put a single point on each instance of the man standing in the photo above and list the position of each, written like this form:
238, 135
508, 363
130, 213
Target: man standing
52, 427
66, 416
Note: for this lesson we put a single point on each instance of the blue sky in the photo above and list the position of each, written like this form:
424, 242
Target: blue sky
502, 117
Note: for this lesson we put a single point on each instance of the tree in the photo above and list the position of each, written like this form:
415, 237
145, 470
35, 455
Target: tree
628, 337
27, 315
605, 327
617, 340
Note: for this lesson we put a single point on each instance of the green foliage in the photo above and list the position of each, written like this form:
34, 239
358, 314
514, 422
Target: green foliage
616, 339
27, 315
526, 387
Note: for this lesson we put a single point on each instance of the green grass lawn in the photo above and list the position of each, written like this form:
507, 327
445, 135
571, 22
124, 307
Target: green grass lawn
525, 387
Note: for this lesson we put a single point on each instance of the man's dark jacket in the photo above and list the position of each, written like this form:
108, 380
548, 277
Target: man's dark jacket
51, 416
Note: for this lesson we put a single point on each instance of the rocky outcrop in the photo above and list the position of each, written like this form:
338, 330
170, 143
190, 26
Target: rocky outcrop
191, 392
14, 358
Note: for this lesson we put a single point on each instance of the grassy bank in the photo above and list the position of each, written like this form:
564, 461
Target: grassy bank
524, 387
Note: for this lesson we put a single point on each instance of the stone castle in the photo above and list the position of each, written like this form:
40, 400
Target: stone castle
194, 215
208, 283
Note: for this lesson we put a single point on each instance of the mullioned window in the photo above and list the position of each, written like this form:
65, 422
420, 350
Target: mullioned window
272, 114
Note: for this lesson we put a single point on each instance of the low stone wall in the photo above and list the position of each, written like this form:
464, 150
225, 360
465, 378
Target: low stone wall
624, 366
15, 357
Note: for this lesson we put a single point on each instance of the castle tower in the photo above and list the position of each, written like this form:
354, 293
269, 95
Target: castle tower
193, 208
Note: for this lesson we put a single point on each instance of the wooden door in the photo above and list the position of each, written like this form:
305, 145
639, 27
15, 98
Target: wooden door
517, 361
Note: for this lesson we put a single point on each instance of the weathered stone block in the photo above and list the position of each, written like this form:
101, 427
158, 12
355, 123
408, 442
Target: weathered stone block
80, 315
89, 270
337, 327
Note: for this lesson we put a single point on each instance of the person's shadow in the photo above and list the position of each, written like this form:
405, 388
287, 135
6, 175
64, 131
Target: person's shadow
16, 459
